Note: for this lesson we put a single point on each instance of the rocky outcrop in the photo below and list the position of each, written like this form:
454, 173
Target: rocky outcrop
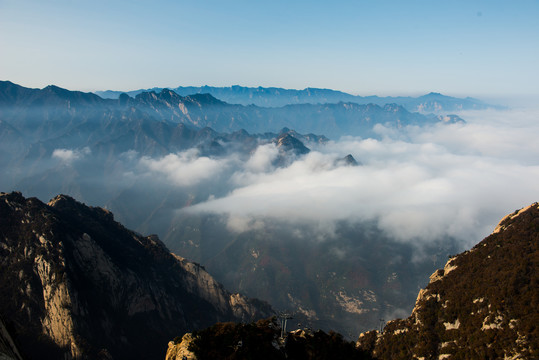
348, 160
179, 349
482, 304
203, 285
262, 340
288, 143
76, 284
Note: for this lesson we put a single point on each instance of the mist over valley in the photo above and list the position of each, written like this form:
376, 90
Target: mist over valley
335, 212
210, 180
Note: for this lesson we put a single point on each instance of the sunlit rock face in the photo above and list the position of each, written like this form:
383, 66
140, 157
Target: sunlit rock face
482, 304
75, 283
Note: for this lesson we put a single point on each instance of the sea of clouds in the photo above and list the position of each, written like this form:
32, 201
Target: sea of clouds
417, 183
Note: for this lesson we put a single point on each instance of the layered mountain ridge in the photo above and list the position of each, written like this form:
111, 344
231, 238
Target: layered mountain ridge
25, 108
112, 152
277, 97
76, 283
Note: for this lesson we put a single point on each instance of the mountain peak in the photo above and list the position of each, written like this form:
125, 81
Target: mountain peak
12, 195
69, 205
510, 219
349, 160
59, 199
168, 94
205, 98
393, 107
287, 142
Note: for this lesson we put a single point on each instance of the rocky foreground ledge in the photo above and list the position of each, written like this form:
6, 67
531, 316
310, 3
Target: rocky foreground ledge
482, 305
74, 283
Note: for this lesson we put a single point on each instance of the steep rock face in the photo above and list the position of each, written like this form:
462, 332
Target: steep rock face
8, 348
203, 285
76, 283
482, 304
180, 350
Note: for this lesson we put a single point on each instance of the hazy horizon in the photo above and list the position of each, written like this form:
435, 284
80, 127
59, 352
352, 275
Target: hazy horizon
387, 48
526, 101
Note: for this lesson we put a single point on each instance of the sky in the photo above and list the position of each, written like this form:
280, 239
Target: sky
486, 49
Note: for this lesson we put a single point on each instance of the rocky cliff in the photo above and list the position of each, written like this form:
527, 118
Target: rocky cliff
74, 283
8, 348
482, 304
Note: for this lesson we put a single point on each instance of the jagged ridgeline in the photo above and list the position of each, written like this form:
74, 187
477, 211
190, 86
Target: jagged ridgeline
484, 304
75, 283
56, 113
277, 97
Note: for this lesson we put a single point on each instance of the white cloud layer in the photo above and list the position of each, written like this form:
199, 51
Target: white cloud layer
68, 156
417, 184
420, 184
185, 168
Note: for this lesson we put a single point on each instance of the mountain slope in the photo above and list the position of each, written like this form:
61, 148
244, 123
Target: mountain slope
74, 282
8, 348
344, 283
482, 304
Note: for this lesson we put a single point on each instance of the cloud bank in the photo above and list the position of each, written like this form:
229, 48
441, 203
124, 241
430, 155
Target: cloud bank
68, 156
186, 168
418, 184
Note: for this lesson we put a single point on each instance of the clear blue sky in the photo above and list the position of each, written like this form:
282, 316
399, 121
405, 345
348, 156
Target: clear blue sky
476, 48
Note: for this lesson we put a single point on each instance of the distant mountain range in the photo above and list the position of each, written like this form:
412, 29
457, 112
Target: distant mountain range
278, 97
36, 123
73, 281
43, 130
46, 112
